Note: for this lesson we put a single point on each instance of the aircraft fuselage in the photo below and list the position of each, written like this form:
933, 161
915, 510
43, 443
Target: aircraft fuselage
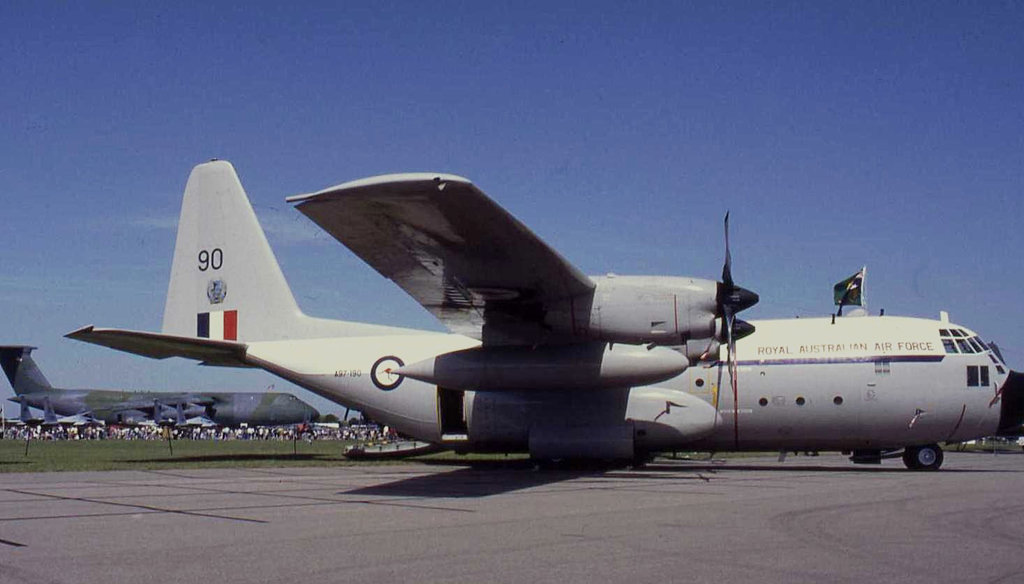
223, 408
869, 383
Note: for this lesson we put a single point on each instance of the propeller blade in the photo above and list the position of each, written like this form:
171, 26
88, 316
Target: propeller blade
728, 292
727, 268
730, 322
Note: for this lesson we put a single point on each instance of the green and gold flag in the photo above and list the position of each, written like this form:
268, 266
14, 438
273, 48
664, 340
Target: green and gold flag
850, 292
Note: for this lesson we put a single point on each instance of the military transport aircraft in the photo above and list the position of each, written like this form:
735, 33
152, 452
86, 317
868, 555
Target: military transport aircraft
84, 406
545, 359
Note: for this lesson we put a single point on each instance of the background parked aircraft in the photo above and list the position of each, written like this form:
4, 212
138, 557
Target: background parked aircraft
127, 407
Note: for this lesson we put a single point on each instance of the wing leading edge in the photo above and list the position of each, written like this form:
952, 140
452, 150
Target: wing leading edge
455, 251
161, 346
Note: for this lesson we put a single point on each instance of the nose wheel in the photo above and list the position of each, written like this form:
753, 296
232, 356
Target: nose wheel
927, 457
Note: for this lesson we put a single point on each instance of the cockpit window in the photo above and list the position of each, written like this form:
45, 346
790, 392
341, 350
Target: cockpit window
977, 346
943, 332
957, 333
964, 346
949, 345
983, 344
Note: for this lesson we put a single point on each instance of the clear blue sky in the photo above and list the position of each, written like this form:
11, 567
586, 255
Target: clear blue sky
839, 135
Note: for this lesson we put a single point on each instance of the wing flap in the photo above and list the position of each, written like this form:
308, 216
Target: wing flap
448, 245
160, 346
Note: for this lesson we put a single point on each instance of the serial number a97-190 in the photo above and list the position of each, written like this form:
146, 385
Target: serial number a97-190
348, 373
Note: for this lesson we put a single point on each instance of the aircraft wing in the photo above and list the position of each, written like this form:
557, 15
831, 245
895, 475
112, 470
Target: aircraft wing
460, 255
161, 346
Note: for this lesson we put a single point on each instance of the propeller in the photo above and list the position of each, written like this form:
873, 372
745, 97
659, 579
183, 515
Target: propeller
731, 299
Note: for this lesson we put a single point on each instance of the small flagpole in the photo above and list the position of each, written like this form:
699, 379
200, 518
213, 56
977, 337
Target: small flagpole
863, 286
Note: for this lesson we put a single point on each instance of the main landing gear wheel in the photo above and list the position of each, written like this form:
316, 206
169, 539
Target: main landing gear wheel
927, 457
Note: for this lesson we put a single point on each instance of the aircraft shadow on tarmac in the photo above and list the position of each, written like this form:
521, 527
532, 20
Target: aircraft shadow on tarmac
483, 479
477, 479
892, 469
269, 458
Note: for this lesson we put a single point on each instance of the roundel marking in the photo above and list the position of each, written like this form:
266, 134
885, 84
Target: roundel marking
381, 374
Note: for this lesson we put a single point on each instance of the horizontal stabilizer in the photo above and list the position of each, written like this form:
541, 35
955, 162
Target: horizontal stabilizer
160, 346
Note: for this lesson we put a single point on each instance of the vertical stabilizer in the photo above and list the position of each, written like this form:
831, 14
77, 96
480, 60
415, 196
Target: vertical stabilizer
21, 370
225, 281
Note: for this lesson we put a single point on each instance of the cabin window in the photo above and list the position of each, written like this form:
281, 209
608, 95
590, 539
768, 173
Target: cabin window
882, 367
977, 376
949, 345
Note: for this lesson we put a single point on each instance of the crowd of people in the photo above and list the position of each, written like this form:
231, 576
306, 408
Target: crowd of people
329, 431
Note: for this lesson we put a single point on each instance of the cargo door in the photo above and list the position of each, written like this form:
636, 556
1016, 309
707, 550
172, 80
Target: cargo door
451, 413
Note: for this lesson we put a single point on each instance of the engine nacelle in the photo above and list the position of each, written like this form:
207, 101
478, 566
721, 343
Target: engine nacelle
641, 309
586, 366
666, 418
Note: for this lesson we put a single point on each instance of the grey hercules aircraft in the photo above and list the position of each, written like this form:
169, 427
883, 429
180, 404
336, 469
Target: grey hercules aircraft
84, 406
544, 359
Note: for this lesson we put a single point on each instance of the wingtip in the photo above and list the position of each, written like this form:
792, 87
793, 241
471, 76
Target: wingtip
383, 179
80, 331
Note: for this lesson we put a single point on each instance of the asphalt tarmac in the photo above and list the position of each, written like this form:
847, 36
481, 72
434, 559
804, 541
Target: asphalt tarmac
817, 519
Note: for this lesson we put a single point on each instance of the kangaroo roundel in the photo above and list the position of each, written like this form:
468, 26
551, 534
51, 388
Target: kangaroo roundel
382, 372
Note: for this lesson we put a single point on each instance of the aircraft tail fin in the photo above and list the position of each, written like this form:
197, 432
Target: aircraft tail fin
22, 371
225, 282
